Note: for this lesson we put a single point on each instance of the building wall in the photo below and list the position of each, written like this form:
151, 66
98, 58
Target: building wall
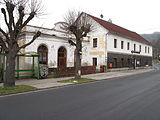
53, 44
99, 52
127, 60
110, 45
118, 57
104, 52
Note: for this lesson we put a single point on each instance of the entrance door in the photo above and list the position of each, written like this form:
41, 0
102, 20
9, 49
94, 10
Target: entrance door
62, 58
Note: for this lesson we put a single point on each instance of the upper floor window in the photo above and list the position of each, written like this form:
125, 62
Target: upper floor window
139, 48
128, 45
115, 43
94, 42
145, 49
134, 47
148, 49
122, 44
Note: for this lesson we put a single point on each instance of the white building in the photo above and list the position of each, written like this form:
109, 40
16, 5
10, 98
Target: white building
108, 45
114, 46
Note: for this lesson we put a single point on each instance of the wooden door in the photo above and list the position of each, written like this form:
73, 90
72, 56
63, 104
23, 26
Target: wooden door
62, 58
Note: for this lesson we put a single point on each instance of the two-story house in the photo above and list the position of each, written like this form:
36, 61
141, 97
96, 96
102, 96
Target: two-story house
115, 47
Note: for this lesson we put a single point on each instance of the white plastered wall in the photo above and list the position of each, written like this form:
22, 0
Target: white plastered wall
53, 44
110, 45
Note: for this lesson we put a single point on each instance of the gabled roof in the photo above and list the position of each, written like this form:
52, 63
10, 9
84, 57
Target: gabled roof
119, 30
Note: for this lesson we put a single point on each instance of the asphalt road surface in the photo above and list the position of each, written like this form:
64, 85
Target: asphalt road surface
135, 97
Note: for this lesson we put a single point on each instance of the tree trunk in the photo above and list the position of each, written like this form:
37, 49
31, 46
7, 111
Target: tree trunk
78, 60
9, 79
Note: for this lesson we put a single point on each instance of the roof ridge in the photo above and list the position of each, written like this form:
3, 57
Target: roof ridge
112, 23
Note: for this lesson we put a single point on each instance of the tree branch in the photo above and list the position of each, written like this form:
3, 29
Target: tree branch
5, 16
5, 34
31, 16
21, 15
18, 27
34, 37
71, 42
10, 8
2, 43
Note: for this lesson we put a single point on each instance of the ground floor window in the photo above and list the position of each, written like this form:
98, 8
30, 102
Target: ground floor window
115, 62
128, 62
125, 60
94, 61
43, 52
122, 62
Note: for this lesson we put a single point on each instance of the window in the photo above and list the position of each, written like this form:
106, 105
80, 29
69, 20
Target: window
148, 49
95, 42
43, 52
122, 42
145, 49
128, 46
128, 61
94, 61
122, 62
134, 47
115, 43
139, 48
114, 62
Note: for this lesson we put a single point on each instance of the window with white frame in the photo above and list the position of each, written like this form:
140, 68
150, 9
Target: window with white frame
134, 47
145, 49
139, 48
94, 42
115, 43
94, 61
122, 44
128, 45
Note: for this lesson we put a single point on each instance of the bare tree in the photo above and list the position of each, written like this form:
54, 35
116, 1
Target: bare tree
79, 24
16, 14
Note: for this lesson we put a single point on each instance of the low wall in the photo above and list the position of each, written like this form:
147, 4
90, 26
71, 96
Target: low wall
70, 71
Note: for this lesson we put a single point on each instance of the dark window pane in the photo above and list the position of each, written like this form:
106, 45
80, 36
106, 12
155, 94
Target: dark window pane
115, 43
95, 42
94, 61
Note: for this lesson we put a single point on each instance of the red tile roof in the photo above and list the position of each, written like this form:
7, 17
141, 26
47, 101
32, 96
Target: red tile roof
120, 30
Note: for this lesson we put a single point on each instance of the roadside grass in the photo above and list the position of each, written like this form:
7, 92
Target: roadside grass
15, 89
73, 80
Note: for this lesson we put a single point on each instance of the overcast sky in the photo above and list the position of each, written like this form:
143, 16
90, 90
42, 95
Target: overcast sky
141, 16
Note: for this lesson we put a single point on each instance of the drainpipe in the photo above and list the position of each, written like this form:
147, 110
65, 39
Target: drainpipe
106, 37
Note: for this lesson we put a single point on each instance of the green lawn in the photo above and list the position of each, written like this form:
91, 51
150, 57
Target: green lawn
15, 89
73, 80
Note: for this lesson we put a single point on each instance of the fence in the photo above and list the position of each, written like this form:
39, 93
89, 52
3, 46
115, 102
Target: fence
27, 66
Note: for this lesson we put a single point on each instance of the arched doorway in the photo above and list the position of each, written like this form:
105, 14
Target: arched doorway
43, 52
62, 58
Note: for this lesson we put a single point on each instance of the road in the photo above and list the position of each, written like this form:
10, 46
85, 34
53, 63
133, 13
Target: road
135, 97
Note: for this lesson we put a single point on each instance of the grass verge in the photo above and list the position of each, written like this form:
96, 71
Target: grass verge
15, 89
73, 80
